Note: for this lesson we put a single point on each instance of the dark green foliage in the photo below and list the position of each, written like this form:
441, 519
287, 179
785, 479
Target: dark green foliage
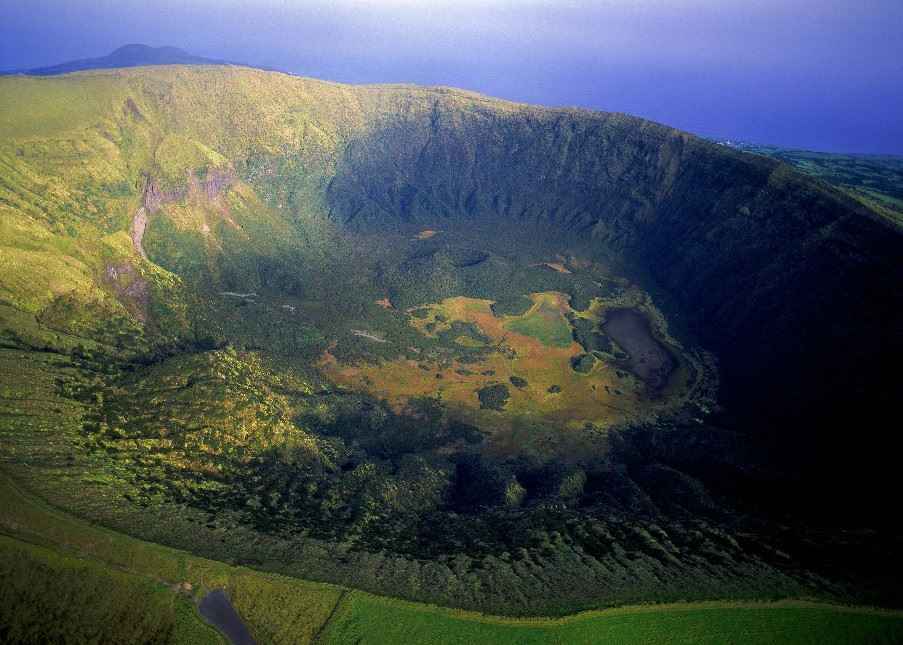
426, 277
449, 510
583, 363
493, 397
554, 389
69, 314
469, 330
518, 382
208, 426
589, 336
181, 253
368, 424
517, 306
119, 189
477, 484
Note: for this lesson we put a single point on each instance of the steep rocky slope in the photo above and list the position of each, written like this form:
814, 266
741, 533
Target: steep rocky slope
795, 286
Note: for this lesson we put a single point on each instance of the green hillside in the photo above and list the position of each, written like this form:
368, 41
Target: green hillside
88, 602
426, 344
99, 585
878, 179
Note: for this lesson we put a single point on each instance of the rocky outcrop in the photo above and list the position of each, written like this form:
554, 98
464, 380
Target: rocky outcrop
129, 287
795, 286
155, 197
215, 183
213, 186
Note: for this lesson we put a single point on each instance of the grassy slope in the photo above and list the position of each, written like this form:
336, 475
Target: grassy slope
367, 619
77, 151
104, 569
277, 609
89, 602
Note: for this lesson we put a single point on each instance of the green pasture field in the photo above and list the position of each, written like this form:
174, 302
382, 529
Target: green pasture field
877, 178
545, 322
362, 618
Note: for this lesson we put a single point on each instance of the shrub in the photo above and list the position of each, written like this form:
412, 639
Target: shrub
518, 382
493, 397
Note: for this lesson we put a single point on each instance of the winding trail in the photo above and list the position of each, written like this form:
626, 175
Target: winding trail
139, 223
368, 335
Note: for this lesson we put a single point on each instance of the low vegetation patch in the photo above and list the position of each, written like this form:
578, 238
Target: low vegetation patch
545, 321
366, 619
467, 347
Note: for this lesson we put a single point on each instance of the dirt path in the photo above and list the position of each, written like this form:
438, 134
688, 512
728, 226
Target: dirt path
368, 335
138, 225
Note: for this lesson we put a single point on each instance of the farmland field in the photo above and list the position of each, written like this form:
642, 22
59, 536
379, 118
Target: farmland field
365, 619
875, 178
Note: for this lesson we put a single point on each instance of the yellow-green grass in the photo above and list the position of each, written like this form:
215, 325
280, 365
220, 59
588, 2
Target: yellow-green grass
362, 618
467, 341
37, 265
536, 347
279, 609
545, 321
176, 155
222, 108
62, 138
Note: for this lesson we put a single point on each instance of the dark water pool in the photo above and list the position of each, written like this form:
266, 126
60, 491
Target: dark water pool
217, 608
648, 358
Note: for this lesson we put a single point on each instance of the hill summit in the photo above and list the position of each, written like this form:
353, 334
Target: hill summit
131, 55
